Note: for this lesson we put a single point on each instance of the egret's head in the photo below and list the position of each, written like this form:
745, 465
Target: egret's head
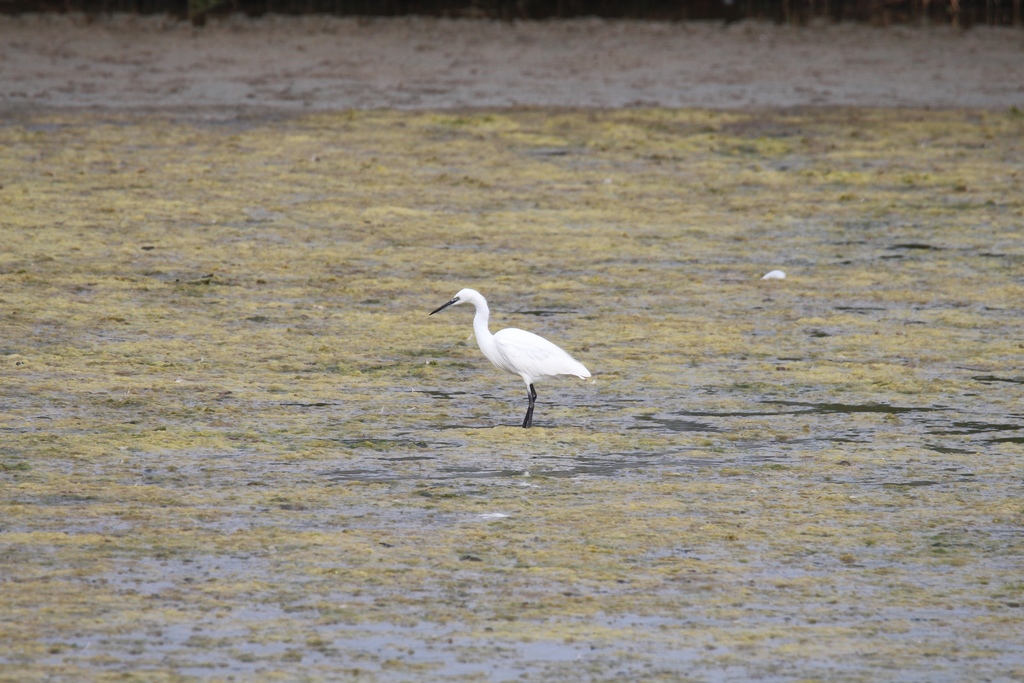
464, 296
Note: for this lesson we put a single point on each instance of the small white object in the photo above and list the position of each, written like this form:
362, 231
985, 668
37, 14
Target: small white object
516, 351
774, 275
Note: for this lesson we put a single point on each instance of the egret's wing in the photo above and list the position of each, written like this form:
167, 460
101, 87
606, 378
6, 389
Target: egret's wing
525, 353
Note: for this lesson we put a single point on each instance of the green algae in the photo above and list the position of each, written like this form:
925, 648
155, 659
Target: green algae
235, 445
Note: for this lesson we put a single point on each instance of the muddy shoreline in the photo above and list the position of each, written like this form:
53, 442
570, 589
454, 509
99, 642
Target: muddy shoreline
302, 64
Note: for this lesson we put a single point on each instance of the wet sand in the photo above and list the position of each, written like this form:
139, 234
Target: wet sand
322, 63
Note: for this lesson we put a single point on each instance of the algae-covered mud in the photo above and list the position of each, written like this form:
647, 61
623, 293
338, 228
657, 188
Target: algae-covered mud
236, 447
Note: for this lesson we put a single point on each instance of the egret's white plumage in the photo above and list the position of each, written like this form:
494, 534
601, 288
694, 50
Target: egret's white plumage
517, 351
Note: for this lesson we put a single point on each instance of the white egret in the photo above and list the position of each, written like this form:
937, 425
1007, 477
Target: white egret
517, 351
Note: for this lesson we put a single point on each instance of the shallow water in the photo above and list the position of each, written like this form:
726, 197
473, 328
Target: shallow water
235, 445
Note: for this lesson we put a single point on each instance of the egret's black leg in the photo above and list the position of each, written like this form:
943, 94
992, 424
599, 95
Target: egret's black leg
532, 395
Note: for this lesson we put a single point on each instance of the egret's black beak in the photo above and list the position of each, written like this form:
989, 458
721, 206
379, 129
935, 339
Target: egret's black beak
441, 308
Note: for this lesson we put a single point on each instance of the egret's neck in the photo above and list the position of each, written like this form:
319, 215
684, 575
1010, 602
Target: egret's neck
483, 335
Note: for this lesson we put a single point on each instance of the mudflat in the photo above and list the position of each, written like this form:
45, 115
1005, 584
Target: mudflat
235, 446
327, 63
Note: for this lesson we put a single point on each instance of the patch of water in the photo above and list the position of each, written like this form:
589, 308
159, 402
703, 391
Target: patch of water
432, 468
975, 427
989, 379
850, 408
403, 457
249, 639
673, 425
